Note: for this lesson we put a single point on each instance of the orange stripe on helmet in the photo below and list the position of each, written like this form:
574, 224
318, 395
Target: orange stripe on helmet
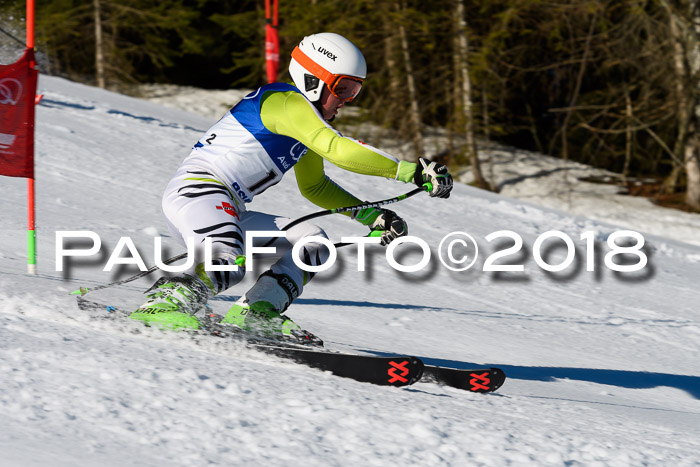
313, 67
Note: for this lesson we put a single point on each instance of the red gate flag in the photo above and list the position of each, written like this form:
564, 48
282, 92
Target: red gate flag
272, 46
17, 94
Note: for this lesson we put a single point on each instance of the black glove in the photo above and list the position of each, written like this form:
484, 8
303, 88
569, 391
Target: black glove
392, 225
435, 174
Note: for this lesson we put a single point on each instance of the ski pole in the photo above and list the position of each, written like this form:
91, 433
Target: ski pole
384, 202
359, 207
84, 290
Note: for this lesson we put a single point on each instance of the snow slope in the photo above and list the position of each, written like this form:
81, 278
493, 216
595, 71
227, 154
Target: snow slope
603, 367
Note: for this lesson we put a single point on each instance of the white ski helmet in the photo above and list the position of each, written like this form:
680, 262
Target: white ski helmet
327, 58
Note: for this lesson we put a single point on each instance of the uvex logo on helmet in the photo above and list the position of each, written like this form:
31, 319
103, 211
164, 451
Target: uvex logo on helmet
326, 52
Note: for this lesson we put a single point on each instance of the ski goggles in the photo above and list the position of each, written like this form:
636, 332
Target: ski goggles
343, 87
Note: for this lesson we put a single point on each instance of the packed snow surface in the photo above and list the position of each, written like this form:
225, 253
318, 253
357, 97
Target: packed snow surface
602, 366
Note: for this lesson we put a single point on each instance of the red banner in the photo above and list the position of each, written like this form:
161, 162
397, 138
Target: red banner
272, 43
17, 94
272, 54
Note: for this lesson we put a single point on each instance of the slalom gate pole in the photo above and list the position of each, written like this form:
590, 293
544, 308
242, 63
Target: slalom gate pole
359, 207
31, 229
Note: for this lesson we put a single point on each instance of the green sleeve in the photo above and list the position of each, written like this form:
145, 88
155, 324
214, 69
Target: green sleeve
322, 191
291, 114
317, 187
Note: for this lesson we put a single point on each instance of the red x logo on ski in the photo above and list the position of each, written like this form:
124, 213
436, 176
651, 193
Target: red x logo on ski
228, 209
480, 382
402, 368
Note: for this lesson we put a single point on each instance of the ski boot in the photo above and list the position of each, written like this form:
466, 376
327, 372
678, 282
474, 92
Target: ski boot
260, 310
172, 303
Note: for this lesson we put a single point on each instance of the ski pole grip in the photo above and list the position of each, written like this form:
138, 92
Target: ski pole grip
427, 186
376, 233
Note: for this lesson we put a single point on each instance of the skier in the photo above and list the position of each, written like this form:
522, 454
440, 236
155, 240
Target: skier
271, 130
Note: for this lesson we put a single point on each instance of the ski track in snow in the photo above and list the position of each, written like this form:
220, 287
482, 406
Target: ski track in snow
602, 367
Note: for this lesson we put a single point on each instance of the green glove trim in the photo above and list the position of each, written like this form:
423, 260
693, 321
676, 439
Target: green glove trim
366, 216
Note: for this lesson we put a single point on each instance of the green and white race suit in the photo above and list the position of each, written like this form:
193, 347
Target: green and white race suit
269, 132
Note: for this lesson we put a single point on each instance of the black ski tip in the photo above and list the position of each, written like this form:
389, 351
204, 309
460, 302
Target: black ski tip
481, 380
486, 380
403, 371
498, 377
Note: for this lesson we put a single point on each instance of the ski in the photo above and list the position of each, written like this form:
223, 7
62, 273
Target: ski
479, 380
393, 370
397, 370
385, 371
